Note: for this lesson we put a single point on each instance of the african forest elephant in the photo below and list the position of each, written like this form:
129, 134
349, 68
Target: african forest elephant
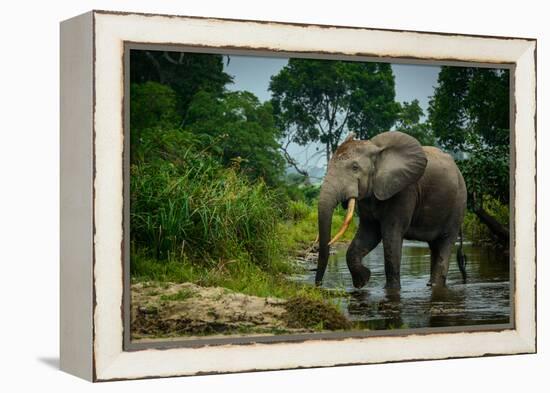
403, 191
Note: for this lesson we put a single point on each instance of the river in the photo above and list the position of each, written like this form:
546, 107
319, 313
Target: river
484, 299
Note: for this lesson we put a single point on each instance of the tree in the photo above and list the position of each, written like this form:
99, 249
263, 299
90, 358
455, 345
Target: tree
408, 121
471, 103
233, 126
469, 113
320, 100
244, 131
487, 176
185, 72
152, 105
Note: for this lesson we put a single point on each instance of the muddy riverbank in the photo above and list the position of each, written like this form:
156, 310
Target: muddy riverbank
164, 310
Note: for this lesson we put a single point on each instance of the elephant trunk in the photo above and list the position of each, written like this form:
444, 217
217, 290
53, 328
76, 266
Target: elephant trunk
327, 203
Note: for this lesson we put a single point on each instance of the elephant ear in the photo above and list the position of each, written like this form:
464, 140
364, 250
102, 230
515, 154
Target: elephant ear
401, 161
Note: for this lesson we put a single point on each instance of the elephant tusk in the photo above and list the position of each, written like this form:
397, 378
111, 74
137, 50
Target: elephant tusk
347, 221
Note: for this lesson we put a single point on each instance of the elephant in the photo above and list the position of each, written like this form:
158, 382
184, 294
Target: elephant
402, 190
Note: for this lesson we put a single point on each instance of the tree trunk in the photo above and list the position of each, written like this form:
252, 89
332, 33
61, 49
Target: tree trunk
500, 231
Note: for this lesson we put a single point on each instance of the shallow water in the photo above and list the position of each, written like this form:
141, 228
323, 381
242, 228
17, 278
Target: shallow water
484, 299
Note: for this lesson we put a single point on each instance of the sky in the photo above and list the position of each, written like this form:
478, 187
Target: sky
253, 73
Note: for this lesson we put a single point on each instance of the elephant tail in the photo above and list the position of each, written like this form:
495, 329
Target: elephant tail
461, 258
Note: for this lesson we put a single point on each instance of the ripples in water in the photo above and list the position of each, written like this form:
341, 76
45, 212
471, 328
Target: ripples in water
484, 299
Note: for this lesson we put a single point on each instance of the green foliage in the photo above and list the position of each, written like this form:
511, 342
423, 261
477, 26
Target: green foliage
469, 113
185, 203
298, 210
486, 171
408, 121
194, 216
310, 193
242, 273
373, 108
238, 275
245, 130
320, 100
295, 188
471, 101
185, 73
235, 126
152, 105
300, 234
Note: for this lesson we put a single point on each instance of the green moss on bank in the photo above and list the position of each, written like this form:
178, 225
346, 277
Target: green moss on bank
303, 312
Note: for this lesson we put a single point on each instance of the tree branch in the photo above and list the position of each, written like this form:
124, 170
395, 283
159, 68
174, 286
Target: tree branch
320, 126
496, 228
169, 58
500, 231
292, 162
340, 129
156, 65
289, 159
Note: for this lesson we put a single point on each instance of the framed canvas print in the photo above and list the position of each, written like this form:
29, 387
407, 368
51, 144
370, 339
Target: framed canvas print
245, 195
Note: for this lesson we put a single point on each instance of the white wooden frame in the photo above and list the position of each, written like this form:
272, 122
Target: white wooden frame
92, 151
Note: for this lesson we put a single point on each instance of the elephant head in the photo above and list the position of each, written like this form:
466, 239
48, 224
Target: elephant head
379, 168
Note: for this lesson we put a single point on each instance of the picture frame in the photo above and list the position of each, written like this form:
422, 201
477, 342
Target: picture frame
94, 292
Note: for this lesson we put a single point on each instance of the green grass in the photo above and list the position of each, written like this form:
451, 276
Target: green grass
301, 233
242, 273
185, 204
239, 276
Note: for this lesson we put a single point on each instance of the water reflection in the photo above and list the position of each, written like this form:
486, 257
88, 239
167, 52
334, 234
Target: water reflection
484, 299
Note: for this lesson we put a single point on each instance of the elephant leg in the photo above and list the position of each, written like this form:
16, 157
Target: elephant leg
440, 256
434, 256
365, 240
393, 242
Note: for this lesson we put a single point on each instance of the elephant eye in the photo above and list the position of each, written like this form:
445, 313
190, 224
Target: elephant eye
355, 167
